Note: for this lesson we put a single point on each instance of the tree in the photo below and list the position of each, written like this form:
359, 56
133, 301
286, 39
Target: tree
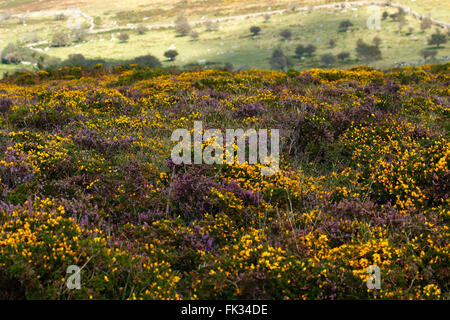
396, 16
401, 19
385, 15
266, 17
428, 53
79, 34
279, 61
293, 7
60, 39
332, 43
367, 52
376, 41
286, 34
141, 29
343, 56
30, 38
300, 50
194, 35
255, 30
76, 59
60, 17
310, 49
13, 58
425, 24
171, 54
211, 26
182, 26
328, 59
10, 53
147, 61
345, 25
98, 21
123, 36
437, 38
228, 66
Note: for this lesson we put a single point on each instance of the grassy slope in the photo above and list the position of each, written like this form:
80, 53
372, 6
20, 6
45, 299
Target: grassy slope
232, 42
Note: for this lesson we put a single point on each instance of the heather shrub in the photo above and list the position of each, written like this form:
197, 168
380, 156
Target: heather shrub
86, 178
188, 193
5, 104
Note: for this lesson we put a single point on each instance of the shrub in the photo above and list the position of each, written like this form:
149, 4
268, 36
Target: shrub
76, 59
188, 193
345, 25
279, 61
301, 50
310, 49
343, 55
255, 30
182, 26
141, 29
5, 104
376, 41
245, 110
13, 58
194, 34
31, 38
171, 54
332, 43
79, 34
367, 52
428, 53
97, 21
425, 23
60, 17
211, 26
148, 61
437, 38
328, 59
123, 36
60, 39
286, 34
401, 18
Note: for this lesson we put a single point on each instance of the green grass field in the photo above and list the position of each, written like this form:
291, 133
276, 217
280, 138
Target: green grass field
232, 42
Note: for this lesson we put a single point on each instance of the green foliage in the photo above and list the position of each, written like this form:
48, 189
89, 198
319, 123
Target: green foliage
328, 59
255, 30
345, 25
366, 52
171, 54
123, 37
60, 39
182, 26
279, 61
437, 39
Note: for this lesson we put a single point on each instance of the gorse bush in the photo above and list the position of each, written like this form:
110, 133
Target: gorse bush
87, 179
